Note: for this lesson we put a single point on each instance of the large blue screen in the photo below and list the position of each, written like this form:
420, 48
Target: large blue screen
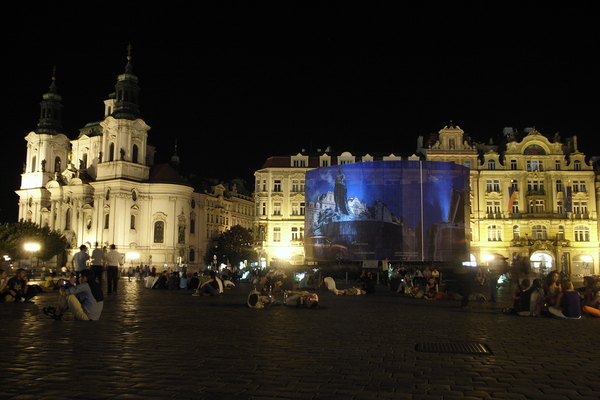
399, 210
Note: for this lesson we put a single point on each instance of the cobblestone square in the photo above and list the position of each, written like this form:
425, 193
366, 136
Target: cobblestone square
153, 344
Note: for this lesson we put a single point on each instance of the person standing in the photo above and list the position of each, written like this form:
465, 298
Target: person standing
80, 259
98, 263
113, 261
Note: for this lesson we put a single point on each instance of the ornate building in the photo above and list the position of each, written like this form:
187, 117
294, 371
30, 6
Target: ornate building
279, 198
104, 186
532, 198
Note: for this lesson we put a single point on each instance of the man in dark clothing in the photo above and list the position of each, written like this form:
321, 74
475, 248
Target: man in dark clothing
19, 289
162, 281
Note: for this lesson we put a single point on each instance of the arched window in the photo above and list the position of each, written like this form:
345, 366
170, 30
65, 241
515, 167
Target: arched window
516, 232
57, 164
68, 219
561, 232
159, 232
192, 255
539, 232
134, 154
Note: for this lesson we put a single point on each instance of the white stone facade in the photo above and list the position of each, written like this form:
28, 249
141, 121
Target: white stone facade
104, 187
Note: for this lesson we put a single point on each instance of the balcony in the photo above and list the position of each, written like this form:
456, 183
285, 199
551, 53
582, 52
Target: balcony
493, 216
540, 192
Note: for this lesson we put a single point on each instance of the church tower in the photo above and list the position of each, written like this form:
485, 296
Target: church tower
123, 148
47, 156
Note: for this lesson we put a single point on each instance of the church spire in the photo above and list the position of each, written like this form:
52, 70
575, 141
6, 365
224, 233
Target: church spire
127, 92
51, 110
174, 162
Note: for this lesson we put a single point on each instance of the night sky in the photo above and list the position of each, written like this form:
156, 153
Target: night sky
237, 84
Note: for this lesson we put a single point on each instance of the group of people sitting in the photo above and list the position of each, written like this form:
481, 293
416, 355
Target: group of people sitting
555, 297
277, 282
209, 282
17, 289
403, 277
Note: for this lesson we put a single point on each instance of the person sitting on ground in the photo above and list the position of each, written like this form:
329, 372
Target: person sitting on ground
4, 295
552, 288
590, 301
418, 277
51, 281
431, 289
366, 282
287, 282
521, 300
329, 283
84, 300
301, 299
193, 282
173, 281
183, 279
209, 285
537, 298
227, 284
162, 281
19, 288
568, 302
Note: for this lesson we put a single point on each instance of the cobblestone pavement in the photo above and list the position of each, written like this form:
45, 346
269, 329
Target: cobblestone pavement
169, 344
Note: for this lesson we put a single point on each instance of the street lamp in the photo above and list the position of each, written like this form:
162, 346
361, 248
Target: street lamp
31, 247
132, 257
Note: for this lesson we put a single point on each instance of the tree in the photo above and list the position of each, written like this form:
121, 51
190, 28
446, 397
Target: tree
13, 237
235, 244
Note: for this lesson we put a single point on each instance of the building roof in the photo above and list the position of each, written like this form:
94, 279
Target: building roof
166, 174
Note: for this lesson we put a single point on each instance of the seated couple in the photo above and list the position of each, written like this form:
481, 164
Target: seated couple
85, 300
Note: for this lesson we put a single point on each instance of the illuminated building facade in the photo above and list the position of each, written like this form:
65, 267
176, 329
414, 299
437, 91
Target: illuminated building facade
531, 198
104, 187
279, 197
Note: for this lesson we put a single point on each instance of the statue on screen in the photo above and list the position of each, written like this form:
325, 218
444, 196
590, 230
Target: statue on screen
340, 193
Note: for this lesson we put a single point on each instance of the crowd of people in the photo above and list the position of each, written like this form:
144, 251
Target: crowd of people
81, 292
555, 296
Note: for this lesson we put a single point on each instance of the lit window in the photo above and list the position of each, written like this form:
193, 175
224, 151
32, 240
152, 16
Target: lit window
494, 233
277, 234
582, 233
159, 232
539, 232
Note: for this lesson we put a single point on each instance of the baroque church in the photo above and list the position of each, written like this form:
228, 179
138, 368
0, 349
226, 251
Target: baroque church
103, 187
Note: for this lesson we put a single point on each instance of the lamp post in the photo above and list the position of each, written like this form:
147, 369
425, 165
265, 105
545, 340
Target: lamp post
31, 247
131, 257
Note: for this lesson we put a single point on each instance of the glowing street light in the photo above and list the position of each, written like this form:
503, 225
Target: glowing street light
32, 247
132, 257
